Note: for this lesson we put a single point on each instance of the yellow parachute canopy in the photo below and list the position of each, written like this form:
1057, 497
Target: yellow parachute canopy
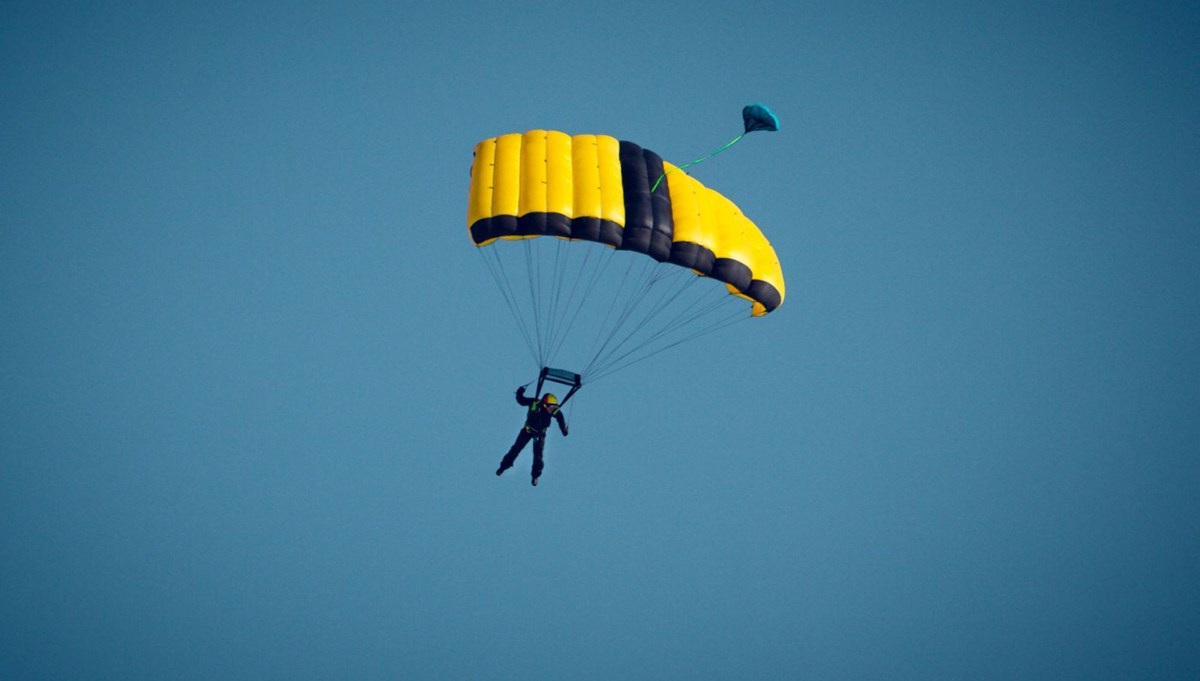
596, 188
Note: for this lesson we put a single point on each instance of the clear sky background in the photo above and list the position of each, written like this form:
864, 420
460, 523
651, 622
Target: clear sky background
255, 380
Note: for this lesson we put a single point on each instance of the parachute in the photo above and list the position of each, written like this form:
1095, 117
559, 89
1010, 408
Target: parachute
637, 247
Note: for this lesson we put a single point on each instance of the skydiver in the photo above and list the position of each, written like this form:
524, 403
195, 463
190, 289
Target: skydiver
537, 420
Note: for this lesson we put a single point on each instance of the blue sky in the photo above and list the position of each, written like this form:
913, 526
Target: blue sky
256, 380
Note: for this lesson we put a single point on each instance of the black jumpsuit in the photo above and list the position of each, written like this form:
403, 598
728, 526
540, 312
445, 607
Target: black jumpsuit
537, 420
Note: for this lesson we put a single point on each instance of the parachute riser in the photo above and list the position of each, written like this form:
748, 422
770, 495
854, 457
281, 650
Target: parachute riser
559, 376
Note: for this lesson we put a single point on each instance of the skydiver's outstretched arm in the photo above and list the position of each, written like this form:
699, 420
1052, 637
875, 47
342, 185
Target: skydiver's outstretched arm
562, 422
522, 400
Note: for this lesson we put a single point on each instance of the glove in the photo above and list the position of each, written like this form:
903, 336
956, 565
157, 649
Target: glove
521, 391
564, 430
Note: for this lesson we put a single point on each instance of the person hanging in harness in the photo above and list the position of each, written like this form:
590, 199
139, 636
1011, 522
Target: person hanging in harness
537, 420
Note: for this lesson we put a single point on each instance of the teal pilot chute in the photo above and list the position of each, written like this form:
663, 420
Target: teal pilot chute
759, 117
754, 117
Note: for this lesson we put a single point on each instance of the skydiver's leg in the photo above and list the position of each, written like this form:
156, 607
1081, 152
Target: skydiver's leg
507, 462
539, 444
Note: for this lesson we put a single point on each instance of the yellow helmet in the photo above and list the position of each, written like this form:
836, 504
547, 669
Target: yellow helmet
550, 398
